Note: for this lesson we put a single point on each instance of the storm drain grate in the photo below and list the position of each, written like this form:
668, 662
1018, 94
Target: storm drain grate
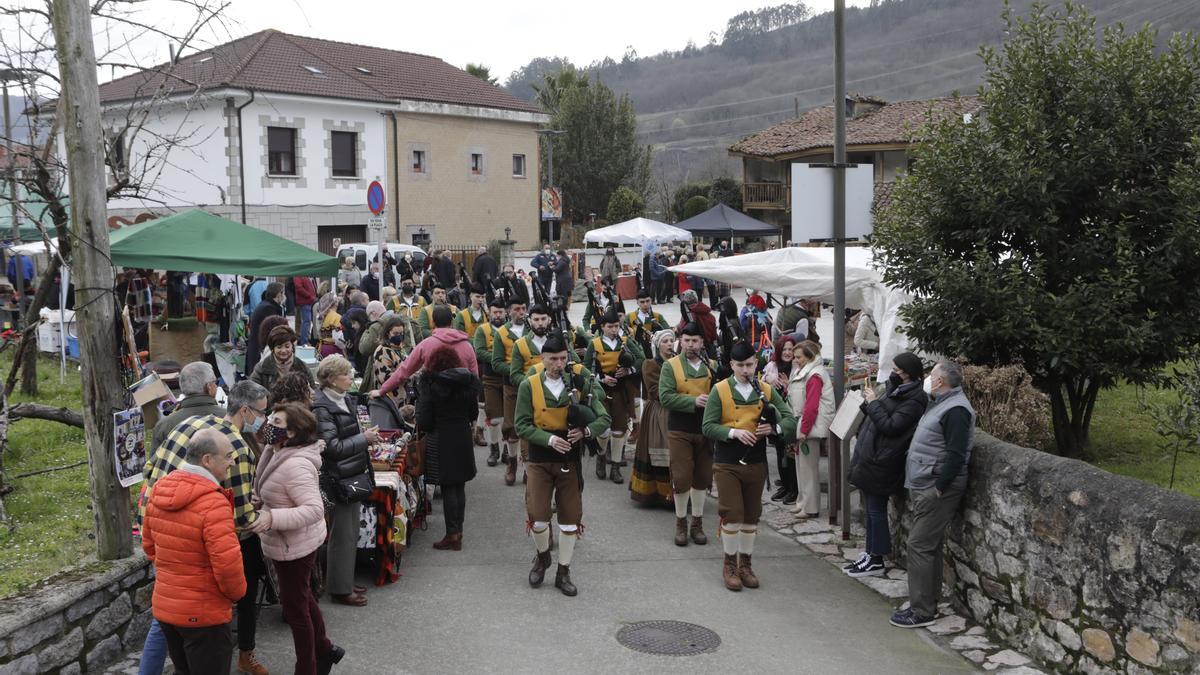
670, 638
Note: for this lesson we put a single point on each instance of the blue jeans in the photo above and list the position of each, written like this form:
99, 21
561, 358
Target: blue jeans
154, 652
879, 537
305, 324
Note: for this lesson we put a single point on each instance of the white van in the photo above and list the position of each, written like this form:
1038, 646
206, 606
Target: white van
364, 253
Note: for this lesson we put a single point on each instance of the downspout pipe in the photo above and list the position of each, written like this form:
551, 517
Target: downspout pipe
241, 155
396, 173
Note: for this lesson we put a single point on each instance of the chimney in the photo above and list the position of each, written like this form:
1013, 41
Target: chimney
851, 105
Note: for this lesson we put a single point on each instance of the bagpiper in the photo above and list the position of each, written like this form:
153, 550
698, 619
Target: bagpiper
493, 384
467, 320
683, 388
614, 357
739, 415
555, 414
502, 351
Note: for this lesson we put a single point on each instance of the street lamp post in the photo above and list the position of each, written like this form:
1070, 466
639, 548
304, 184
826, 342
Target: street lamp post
550, 134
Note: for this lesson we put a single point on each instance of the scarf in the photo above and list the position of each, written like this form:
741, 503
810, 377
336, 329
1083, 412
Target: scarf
338, 398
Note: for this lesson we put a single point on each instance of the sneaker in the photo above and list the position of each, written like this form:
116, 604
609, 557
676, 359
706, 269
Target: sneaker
790, 499
862, 557
908, 619
779, 494
872, 567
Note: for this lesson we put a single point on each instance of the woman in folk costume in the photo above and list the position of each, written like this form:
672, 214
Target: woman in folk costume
756, 325
650, 482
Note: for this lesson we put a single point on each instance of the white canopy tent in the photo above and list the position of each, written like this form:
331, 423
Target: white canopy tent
51, 248
640, 231
800, 272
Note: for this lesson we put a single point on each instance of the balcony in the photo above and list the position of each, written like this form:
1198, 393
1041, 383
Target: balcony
766, 196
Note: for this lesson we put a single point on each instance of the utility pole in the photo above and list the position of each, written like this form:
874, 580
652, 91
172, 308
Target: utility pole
839, 200
550, 134
95, 308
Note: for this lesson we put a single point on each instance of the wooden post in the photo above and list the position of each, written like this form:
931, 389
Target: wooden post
91, 262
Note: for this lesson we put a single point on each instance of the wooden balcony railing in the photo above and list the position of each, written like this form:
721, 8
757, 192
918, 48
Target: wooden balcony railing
766, 195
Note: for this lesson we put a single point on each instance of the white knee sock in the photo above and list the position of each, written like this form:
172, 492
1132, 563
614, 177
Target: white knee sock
566, 543
605, 440
541, 536
681, 499
730, 535
746, 540
481, 419
616, 448
697, 503
491, 432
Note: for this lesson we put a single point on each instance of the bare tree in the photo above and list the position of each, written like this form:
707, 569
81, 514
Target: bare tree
137, 147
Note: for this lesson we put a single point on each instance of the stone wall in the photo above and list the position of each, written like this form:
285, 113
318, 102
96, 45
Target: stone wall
1083, 570
80, 622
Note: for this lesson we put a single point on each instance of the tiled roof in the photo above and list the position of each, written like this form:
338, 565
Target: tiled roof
882, 198
271, 61
886, 124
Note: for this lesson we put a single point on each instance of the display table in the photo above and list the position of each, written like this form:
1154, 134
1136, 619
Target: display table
627, 286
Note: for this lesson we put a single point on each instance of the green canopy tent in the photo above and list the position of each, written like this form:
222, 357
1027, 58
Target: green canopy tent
195, 241
29, 205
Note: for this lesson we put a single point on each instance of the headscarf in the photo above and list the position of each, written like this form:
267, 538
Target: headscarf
326, 303
658, 337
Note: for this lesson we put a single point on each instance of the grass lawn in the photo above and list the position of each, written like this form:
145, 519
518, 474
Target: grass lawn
52, 511
1122, 440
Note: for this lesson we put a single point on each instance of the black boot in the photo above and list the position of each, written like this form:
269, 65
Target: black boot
600, 466
562, 581
541, 562
325, 663
778, 494
494, 456
614, 473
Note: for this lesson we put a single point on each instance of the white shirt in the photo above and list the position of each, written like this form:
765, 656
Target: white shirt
517, 329
695, 364
744, 389
643, 317
476, 315
610, 342
555, 387
538, 341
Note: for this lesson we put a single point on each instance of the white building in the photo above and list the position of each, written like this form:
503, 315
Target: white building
285, 132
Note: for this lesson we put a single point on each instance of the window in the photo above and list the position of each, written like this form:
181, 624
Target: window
315, 71
344, 145
115, 152
418, 161
281, 151
476, 163
518, 166
364, 71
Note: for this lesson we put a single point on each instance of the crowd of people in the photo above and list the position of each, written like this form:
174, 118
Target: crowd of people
272, 482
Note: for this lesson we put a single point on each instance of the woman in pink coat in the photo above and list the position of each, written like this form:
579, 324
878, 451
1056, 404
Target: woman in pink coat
289, 499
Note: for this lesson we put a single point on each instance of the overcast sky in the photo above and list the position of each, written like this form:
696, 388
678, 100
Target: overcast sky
502, 35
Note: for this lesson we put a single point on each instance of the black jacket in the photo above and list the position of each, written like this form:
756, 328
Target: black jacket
882, 445
485, 267
447, 404
254, 341
345, 454
565, 281
445, 272
370, 286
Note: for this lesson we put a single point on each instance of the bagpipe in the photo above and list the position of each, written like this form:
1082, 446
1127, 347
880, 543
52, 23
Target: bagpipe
580, 414
730, 330
463, 287
765, 416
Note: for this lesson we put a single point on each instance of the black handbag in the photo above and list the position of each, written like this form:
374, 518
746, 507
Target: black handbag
355, 489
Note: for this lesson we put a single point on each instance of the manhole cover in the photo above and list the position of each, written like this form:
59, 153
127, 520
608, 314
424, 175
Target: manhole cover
671, 638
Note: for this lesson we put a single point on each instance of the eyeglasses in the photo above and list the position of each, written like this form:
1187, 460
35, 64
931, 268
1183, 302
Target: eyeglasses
262, 412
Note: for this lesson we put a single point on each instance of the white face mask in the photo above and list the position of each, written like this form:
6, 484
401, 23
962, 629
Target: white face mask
928, 386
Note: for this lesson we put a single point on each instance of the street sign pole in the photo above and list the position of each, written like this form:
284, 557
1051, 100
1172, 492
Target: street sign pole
375, 202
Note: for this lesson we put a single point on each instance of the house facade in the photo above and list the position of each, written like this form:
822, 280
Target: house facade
878, 133
285, 133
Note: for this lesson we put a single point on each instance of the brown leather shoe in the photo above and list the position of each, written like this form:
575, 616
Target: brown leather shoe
353, 599
249, 664
562, 581
541, 562
510, 472
697, 531
681, 534
730, 572
745, 573
478, 437
450, 542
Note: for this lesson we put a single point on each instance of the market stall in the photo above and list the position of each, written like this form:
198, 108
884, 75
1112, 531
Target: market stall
722, 221
644, 232
803, 272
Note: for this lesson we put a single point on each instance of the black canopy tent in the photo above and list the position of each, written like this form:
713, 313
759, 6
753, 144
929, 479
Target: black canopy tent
722, 221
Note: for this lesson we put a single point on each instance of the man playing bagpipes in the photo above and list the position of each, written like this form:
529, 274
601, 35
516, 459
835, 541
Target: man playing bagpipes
425, 316
555, 414
483, 341
502, 352
739, 414
614, 358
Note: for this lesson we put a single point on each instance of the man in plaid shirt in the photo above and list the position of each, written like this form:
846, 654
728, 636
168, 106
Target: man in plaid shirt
247, 411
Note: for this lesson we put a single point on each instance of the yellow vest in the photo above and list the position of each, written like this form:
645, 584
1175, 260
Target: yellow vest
489, 335
632, 319
469, 324
506, 339
429, 313
608, 360
530, 359
414, 311
545, 417
697, 386
742, 416
539, 367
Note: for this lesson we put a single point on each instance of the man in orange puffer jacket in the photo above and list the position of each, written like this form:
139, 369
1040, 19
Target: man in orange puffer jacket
188, 533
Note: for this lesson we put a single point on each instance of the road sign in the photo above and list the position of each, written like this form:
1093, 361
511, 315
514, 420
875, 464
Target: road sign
375, 197
375, 222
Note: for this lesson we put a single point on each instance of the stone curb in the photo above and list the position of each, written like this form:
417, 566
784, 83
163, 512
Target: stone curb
952, 630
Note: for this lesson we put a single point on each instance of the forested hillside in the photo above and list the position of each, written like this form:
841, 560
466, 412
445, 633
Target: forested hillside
694, 102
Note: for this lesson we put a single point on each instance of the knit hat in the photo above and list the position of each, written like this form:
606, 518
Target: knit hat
910, 364
756, 301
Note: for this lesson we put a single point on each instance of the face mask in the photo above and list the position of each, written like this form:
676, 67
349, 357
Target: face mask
396, 339
253, 427
274, 435
928, 386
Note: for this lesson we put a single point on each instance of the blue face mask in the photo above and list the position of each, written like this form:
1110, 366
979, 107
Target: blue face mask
253, 427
